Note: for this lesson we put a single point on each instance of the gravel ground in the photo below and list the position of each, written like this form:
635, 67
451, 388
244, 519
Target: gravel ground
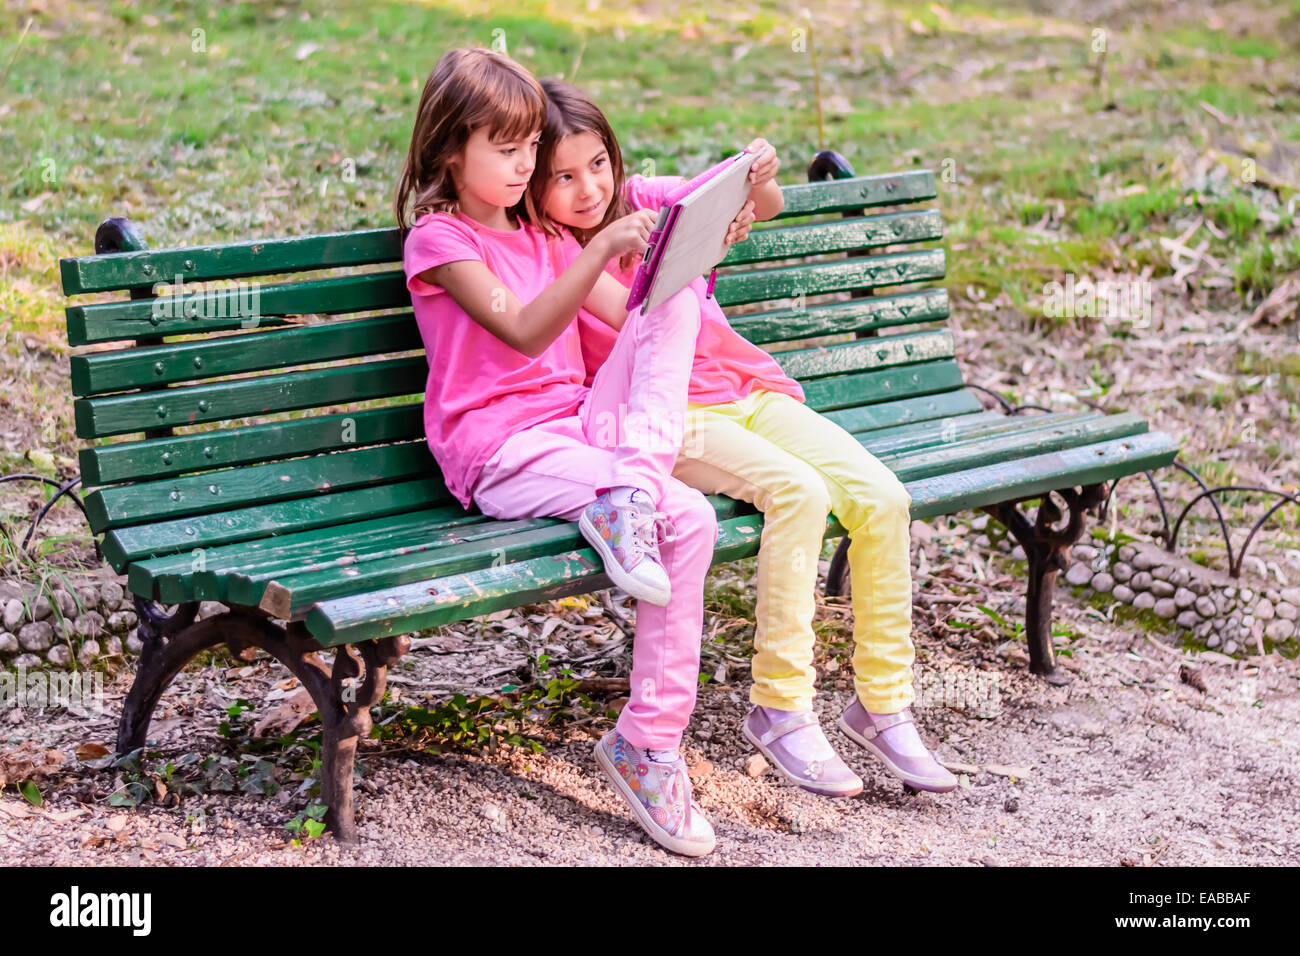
1127, 765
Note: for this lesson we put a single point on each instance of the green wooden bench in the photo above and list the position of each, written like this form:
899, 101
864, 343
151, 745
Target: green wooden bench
247, 455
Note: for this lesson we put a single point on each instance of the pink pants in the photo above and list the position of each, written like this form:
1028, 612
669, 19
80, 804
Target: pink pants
628, 432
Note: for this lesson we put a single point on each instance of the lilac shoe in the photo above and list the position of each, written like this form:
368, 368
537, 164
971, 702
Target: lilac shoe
831, 778
923, 773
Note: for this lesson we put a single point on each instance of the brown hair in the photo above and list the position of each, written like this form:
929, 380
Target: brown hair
468, 89
568, 111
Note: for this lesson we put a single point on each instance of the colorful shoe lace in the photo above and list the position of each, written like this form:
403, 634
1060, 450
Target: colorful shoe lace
921, 772
659, 795
627, 538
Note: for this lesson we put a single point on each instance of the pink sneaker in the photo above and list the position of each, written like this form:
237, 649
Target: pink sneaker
923, 773
627, 538
659, 795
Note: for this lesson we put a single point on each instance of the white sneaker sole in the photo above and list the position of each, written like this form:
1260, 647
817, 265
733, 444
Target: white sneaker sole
638, 589
655, 832
920, 783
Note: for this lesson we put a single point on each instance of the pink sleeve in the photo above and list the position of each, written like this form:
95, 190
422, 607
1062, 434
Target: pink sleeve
649, 193
437, 240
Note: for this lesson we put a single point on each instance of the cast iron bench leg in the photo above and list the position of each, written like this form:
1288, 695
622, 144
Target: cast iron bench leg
1045, 549
343, 693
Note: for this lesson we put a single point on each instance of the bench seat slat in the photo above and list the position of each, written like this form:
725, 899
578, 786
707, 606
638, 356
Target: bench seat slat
858, 315
174, 577
137, 542
412, 607
864, 418
881, 385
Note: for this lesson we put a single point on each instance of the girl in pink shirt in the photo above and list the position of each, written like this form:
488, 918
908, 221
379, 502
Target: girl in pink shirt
749, 435
517, 432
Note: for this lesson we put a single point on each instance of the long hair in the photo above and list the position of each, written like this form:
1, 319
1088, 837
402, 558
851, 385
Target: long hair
568, 111
468, 89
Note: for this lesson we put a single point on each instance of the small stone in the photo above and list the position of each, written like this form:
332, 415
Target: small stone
113, 646
91, 624
1162, 589
1272, 595
1018, 553
121, 620
133, 643
1144, 561
1123, 593
88, 654
112, 593
1205, 607
67, 603
755, 765
700, 769
59, 655
1199, 586
13, 614
490, 811
40, 609
1230, 647
1011, 805
1078, 575
1280, 630
8, 643
1084, 552
1264, 610
1188, 619
1141, 581
27, 662
1247, 622
1212, 641
1184, 598
36, 635
1102, 582
979, 522
1230, 591
210, 609
1166, 608
1290, 595
1144, 600
1180, 577
1162, 573
1287, 611
703, 734
88, 596
982, 541
1126, 552
1121, 571
1247, 595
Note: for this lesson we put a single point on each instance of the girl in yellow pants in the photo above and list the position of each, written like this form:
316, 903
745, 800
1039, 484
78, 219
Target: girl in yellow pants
749, 435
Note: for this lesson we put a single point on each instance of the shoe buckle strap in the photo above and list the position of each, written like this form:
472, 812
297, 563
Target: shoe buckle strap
877, 725
802, 719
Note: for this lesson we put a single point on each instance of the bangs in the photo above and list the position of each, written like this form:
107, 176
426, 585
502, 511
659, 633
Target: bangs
511, 108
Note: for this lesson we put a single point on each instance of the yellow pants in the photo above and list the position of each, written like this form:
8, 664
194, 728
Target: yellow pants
797, 466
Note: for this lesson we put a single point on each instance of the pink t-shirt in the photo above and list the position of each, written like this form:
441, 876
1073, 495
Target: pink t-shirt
727, 366
480, 390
